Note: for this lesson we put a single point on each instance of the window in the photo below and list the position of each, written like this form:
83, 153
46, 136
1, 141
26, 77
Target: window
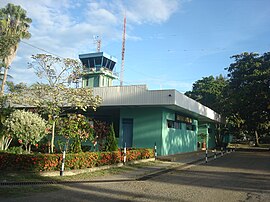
177, 125
170, 123
191, 127
174, 124
181, 118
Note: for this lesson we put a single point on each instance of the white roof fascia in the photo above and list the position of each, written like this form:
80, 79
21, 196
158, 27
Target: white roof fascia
139, 95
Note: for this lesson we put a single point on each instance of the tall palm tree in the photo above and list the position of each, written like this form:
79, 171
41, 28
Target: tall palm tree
14, 26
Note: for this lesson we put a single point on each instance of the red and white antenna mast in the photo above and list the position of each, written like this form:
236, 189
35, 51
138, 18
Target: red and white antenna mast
97, 41
123, 52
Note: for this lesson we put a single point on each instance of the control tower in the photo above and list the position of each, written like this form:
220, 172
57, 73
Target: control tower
98, 69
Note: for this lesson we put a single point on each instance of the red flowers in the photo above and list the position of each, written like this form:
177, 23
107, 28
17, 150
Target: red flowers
50, 162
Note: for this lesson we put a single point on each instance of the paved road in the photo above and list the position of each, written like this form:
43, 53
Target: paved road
239, 176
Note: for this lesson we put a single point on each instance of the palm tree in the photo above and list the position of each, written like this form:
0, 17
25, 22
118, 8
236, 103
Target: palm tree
14, 25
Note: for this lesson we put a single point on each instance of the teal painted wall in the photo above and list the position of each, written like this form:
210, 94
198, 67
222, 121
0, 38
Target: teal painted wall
150, 126
147, 127
212, 136
203, 128
209, 130
177, 140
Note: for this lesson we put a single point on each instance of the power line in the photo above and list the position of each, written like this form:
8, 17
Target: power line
42, 49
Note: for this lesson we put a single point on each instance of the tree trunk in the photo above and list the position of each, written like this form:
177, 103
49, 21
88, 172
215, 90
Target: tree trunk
2, 142
52, 140
257, 138
7, 142
7, 61
29, 148
4, 81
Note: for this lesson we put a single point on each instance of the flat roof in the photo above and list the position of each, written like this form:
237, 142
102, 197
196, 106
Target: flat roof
97, 54
140, 96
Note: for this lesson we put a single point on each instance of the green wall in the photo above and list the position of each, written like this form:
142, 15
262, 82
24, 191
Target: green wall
150, 126
209, 130
147, 126
212, 136
203, 128
176, 140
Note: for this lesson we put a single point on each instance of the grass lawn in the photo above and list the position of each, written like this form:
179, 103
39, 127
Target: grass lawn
26, 190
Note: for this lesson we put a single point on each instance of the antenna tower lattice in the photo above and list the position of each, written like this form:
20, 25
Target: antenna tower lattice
123, 53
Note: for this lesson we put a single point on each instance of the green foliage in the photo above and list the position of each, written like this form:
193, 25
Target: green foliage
52, 162
209, 92
53, 101
14, 22
248, 92
77, 128
14, 25
6, 42
111, 142
101, 130
15, 150
244, 98
28, 127
12, 88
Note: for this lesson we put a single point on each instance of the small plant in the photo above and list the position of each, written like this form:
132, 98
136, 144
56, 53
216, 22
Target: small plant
203, 137
15, 150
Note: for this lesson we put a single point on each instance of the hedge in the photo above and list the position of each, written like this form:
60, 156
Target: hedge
52, 162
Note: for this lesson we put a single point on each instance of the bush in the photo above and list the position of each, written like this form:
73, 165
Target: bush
52, 162
15, 150
111, 142
28, 127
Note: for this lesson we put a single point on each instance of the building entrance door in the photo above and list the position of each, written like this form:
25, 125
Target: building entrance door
127, 125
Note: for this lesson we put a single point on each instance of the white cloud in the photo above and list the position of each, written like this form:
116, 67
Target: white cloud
154, 11
66, 27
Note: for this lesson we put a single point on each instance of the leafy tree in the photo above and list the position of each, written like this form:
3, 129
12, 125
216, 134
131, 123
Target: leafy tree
101, 130
111, 142
209, 92
14, 25
56, 70
15, 87
28, 127
54, 101
77, 128
54, 97
248, 92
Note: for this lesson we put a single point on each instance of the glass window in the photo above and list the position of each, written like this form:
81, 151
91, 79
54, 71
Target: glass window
189, 126
177, 125
170, 124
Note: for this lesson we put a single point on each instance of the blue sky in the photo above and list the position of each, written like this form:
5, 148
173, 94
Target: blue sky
170, 44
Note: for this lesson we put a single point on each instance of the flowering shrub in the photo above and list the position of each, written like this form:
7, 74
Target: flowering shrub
28, 127
52, 162
76, 127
